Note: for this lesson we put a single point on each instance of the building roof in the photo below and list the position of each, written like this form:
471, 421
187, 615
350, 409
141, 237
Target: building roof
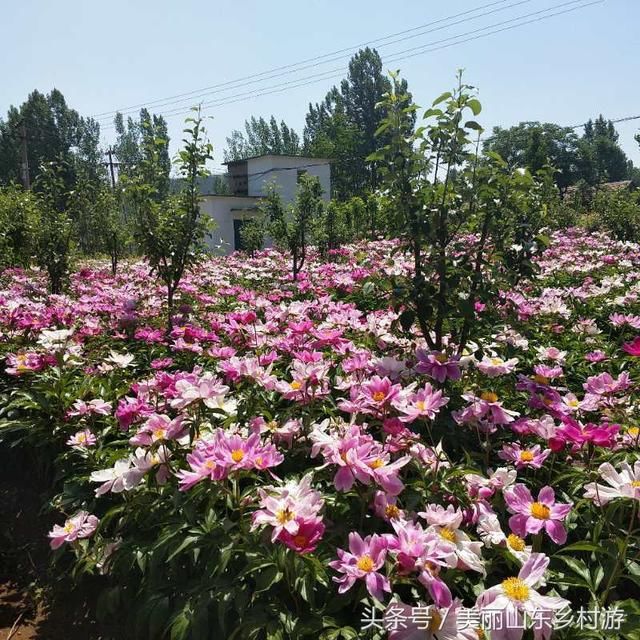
276, 155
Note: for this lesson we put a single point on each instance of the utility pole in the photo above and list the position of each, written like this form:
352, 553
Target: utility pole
113, 177
25, 158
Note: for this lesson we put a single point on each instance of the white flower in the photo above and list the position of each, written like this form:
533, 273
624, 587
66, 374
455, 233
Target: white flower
623, 484
120, 477
54, 339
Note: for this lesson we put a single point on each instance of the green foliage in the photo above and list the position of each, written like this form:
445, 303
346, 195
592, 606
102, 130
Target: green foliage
252, 234
343, 126
439, 190
171, 229
18, 224
54, 233
618, 212
594, 158
262, 137
54, 132
292, 227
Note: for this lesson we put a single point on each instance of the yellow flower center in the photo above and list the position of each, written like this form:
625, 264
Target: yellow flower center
448, 534
379, 396
295, 385
68, 527
300, 541
489, 396
515, 542
391, 511
574, 402
435, 621
516, 589
272, 425
284, 515
541, 379
441, 358
496, 362
81, 437
526, 456
634, 432
158, 434
237, 455
210, 464
420, 405
635, 484
376, 464
540, 511
365, 563
481, 634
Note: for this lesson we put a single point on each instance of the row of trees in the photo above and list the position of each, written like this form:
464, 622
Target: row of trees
343, 125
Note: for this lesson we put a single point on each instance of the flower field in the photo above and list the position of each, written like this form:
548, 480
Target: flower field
291, 462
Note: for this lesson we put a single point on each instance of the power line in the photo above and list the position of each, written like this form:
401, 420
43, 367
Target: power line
397, 56
328, 57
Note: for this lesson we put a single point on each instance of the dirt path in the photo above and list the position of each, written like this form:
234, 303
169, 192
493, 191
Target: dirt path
34, 605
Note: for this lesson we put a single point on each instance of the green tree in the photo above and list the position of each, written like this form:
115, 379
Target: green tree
54, 132
18, 225
603, 158
343, 126
261, 137
171, 230
54, 231
292, 227
533, 145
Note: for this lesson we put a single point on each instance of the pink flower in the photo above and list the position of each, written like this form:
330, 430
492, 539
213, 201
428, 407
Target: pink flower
425, 403
306, 539
485, 411
595, 356
287, 507
82, 439
533, 516
81, 525
362, 562
157, 428
632, 348
604, 384
508, 601
494, 366
94, 407
438, 365
532, 457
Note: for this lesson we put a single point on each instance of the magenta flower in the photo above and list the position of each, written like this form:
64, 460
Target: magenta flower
533, 457
575, 433
306, 539
531, 516
362, 562
438, 365
632, 348
81, 525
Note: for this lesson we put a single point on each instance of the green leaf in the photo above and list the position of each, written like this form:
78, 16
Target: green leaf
475, 106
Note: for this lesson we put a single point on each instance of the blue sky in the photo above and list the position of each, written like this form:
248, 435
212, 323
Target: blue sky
107, 56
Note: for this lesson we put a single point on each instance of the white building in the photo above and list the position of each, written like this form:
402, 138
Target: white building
247, 182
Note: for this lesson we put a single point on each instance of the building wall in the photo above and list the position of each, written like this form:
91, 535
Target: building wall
284, 172
224, 210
